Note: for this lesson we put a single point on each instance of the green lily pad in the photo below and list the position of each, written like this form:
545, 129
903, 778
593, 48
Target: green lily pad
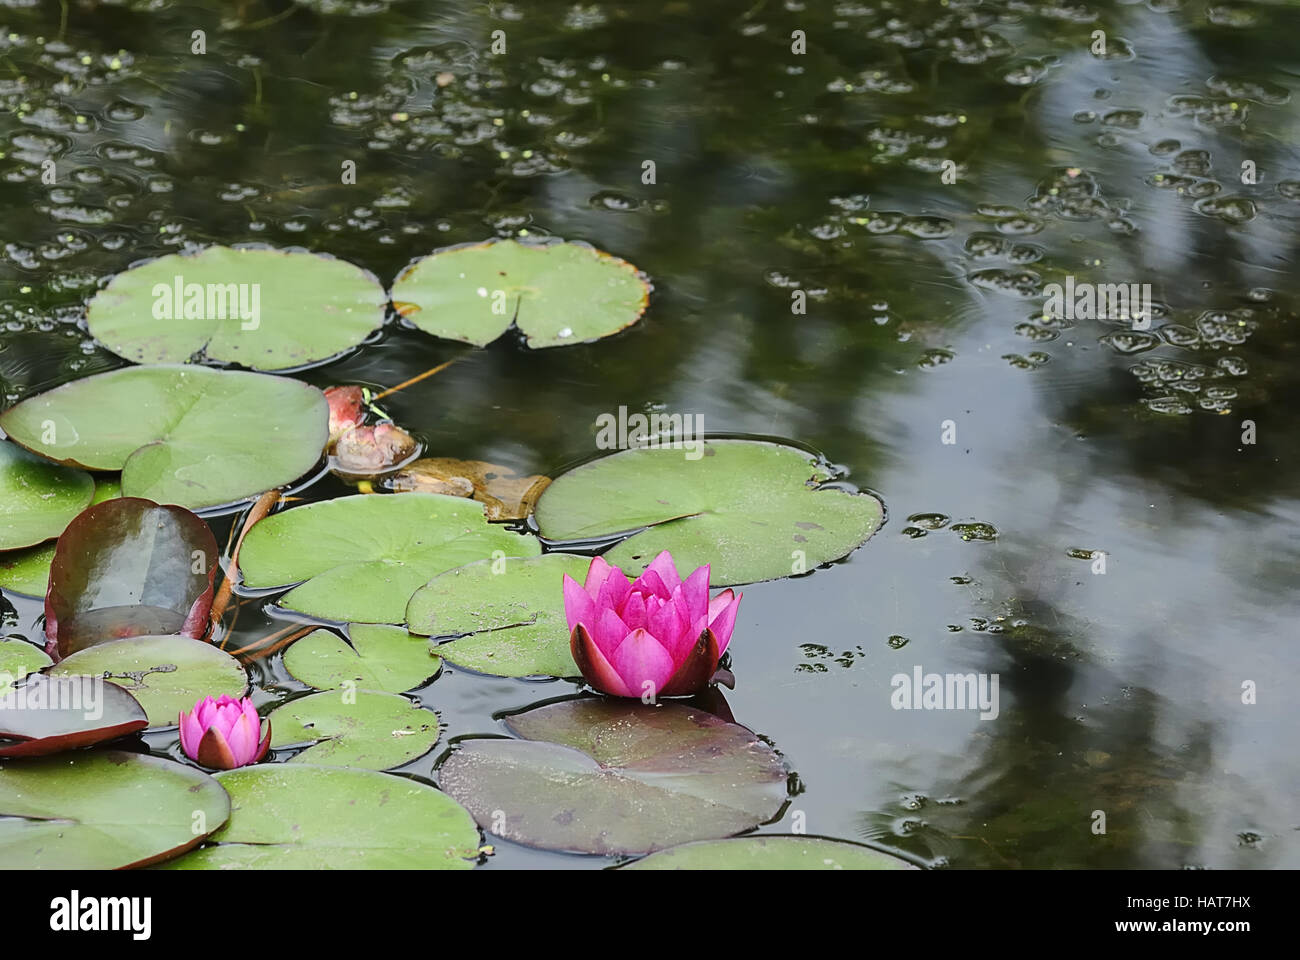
17, 659
508, 614
186, 435
309, 308
129, 567
45, 715
290, 816
362, 557
381, 658
27, 571
750, 509
375, 731
557, 294
103, 810
166, 674
599, 776
770, 853
37, 498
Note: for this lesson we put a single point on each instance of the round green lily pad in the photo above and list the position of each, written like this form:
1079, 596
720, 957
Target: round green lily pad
607, 777
381, 658
166, 674
27, 571
375, 731
509, 615
770, 853
557, 294
362, 557
37, 498
186, 435
751, 509
103, 810
17, 659
289, 816
264, 309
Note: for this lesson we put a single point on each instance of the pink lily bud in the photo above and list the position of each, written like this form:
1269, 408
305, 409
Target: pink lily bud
223, 733
659, 635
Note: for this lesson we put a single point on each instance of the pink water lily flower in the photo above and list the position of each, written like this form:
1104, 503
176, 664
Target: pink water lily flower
224, 733
659, 634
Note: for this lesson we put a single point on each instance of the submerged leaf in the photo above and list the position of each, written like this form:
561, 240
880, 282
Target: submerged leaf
505, 494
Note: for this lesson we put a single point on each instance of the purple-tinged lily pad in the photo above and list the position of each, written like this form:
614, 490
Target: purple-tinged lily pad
49, 714
126, 568
606, 777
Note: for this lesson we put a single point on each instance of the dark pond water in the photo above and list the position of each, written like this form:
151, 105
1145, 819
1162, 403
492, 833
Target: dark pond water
1077, 446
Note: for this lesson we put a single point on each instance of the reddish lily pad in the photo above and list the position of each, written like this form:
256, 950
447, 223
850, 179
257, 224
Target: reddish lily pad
126, 568
103, 810
606, 777
48, 714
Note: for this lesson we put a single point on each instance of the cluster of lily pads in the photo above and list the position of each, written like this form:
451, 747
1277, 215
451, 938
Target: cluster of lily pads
99, 483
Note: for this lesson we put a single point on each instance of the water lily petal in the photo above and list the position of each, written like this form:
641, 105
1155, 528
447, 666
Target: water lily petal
695, 593
670, 629
610, 632
697, 668
666, 570
722, 616
593, 665
215, 752
634, 613
243, 740
191, 733
597, 574
641, 660
579, 607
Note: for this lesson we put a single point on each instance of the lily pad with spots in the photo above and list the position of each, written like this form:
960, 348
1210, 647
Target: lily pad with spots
186, 435
598, 776
359, 559
556, 294
103, 810
263, 309
380, 658
508, 615
374, 731
166, 674
753, 510
289, 816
